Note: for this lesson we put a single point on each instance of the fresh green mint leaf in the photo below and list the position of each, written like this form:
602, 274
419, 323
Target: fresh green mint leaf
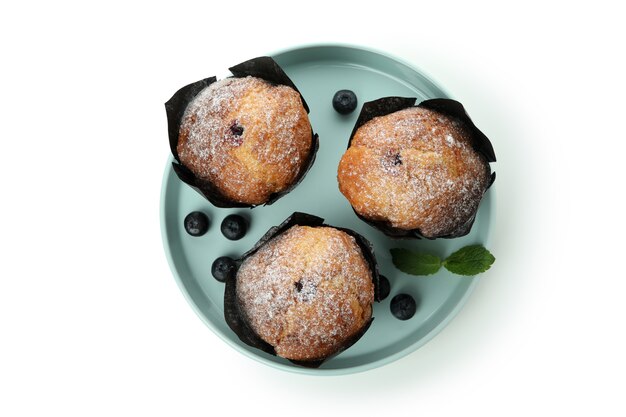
470, 260
415, 263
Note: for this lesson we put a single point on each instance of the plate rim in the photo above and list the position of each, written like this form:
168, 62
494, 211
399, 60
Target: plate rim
321, 371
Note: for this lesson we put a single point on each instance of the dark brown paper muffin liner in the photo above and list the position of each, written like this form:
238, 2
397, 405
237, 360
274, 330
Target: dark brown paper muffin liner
261, 67
236, 320
451, 108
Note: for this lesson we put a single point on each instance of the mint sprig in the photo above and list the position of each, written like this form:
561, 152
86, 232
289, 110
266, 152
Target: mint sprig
415, 263
468, 261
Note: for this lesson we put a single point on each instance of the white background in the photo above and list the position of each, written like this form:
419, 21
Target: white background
91, 319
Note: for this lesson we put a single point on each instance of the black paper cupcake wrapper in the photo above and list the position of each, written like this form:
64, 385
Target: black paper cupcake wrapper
451, 108
261, 67
236, 320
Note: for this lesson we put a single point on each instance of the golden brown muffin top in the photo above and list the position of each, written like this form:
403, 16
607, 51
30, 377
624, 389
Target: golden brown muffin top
247, 137
306, 292
415, 169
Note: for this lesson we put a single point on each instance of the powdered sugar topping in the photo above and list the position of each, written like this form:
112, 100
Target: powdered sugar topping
306, 291
416, 169
246, 136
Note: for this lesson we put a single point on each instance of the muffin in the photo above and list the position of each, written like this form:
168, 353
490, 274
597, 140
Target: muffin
305, 292
243, 141
415, 172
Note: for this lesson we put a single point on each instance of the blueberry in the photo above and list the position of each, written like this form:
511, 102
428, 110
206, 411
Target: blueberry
384, 287
234, 227
222, 268
403, 306
236, 129
344, 101
196, 223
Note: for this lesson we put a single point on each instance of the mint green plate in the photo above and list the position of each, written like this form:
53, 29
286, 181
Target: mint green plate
319, 71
